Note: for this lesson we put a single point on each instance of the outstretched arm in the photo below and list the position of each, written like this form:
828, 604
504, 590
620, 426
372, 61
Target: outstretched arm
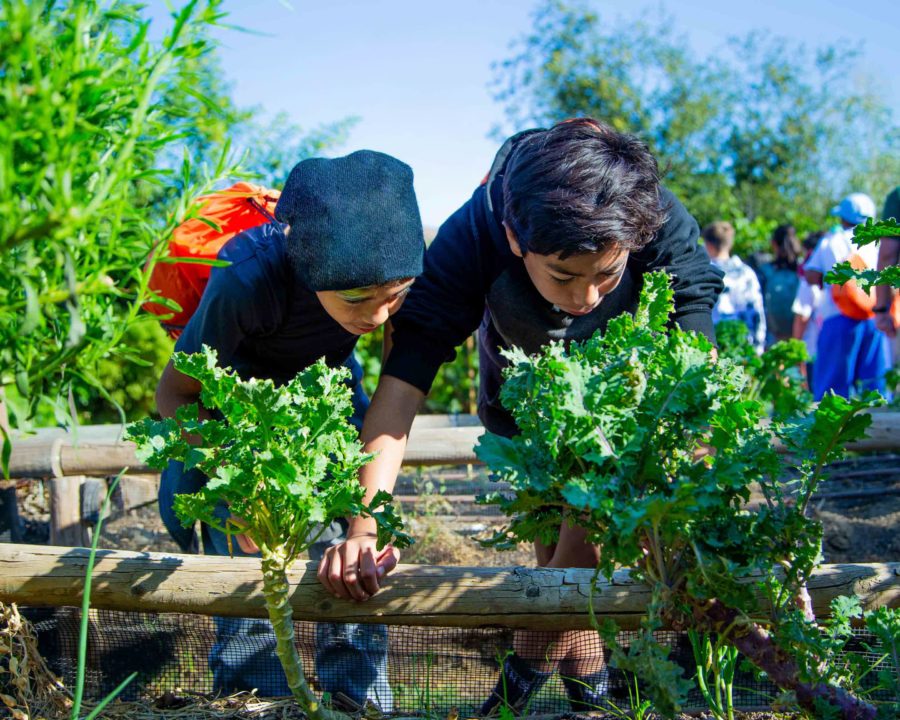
354, 569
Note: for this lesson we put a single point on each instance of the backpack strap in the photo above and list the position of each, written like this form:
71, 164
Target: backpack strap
261, 209
500, 160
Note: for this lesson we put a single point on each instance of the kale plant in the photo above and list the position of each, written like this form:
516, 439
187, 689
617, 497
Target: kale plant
284, 460
773, 377
639, 436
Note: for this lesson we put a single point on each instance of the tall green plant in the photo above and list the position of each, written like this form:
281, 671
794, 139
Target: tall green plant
87, 114
85, 617
643, 439
283, 460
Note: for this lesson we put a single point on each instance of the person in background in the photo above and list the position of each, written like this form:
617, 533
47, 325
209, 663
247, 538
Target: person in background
888, 255
804, 305
779, 280
851, 352
742, 297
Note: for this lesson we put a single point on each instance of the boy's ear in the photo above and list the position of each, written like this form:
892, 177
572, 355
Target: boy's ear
513, 242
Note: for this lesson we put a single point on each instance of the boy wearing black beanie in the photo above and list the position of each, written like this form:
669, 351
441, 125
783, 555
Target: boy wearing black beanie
552, 245
337, 261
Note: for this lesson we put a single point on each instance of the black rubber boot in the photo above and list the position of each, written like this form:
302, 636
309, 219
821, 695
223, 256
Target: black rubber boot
590, 692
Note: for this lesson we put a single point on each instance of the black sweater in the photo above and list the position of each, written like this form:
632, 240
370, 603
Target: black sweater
472, 280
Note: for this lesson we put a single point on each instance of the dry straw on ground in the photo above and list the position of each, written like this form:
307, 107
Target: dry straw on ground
28, 690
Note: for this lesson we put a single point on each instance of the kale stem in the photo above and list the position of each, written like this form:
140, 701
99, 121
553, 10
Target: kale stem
277, 589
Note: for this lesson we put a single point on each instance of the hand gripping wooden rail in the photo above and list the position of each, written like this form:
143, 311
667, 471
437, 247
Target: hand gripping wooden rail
520, 597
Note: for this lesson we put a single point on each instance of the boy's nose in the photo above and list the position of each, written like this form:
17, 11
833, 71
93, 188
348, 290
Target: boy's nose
381, 315
589, 296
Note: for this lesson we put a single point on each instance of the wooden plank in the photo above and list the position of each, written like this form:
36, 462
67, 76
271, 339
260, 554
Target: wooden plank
433, 422
414, 594
66, 528
95, 458
428, 445
442, 446
93, 491
136, 491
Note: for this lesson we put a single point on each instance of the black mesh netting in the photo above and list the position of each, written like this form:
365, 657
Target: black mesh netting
409, 669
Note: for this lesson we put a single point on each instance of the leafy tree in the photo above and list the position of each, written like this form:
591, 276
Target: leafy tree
763, 129
274, 146
640, 437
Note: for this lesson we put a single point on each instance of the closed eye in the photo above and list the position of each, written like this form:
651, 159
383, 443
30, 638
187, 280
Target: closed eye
562, 280
403, 293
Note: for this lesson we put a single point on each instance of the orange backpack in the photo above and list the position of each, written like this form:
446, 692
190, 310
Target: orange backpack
223, 215
856, 304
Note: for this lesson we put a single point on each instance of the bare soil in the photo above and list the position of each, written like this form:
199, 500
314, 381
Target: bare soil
858, 505
859, 508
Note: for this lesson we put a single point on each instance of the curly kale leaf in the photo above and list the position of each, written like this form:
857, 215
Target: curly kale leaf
281, 459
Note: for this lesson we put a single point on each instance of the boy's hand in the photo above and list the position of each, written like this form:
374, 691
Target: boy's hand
354, 569
243, 541
246, 544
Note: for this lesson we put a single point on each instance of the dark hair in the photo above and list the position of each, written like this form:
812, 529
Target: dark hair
787, 247
719, 234
812, 239
582, 187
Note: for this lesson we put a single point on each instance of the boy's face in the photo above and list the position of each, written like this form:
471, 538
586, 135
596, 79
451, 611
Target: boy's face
576, 284
364, 310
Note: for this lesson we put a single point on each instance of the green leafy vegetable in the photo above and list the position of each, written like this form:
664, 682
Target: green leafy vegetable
774, 376
652, 446
282, 460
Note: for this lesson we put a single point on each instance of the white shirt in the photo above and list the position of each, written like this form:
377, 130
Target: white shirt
741, 299
806, 305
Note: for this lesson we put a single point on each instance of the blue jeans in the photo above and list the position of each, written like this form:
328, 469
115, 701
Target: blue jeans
350, 658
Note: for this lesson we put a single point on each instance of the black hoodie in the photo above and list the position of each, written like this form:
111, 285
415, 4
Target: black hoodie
472, 280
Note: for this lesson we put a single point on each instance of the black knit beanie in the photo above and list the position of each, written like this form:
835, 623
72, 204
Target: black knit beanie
354, 221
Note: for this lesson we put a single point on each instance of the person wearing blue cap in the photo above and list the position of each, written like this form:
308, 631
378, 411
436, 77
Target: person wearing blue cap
851, 354
344, 249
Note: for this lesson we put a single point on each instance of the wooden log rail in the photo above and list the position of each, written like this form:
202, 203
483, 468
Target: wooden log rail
434, 440
98, 450
536, 598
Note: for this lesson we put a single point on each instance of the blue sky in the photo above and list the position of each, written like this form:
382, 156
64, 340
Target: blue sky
417, 73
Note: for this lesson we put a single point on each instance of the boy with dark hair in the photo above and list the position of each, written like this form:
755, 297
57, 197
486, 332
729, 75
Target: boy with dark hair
337, 263
552, 245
